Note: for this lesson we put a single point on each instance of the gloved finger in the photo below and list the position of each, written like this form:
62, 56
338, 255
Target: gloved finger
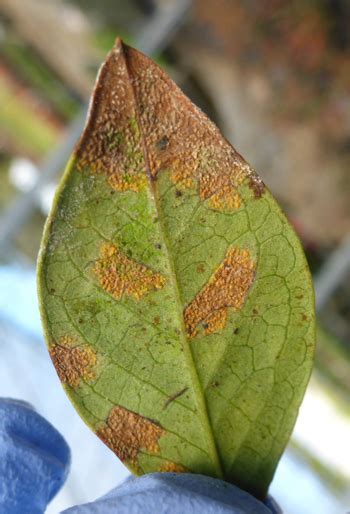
21, 421
34, 459
175, 493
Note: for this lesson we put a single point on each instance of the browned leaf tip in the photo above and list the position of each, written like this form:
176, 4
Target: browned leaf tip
141, 124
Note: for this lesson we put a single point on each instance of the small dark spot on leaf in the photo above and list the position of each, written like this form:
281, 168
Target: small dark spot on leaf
304, 317
156, 320
257, 186
236, 331
205, 326
178, 193
255, 312
162, 143
200, 268
158, 246
52, 290
215, 384
81, 320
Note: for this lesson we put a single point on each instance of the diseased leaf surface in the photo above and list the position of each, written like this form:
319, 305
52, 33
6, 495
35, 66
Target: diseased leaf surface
176, 299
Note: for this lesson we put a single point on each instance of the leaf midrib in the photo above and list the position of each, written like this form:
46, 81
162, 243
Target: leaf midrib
196, 384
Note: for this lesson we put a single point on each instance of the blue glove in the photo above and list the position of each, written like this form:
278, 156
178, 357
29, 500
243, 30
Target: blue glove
171, 493
34, 459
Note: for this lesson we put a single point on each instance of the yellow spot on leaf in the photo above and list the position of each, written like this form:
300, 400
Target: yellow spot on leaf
226, 199
127, 182
120, 275
172, 467
227, 288
126, 433
220, 189
73, 363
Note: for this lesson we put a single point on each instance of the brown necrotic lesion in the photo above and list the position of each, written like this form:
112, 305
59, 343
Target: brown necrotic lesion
126, 433
73, 363
120, 275
227, 288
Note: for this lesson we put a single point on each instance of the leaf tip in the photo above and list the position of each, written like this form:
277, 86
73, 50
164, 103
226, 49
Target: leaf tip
119, 45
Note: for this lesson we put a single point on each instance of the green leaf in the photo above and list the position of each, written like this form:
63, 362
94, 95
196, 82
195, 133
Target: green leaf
176, 299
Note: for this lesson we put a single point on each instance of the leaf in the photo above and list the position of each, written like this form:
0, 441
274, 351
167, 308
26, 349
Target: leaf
176, 299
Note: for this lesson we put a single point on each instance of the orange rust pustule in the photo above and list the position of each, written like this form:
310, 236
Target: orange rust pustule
120, 275
173, 467
126, 433
73, 363
111, 142
180, 138
227, 288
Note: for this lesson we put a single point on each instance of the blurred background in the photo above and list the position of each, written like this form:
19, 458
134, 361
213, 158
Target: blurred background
275, 77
